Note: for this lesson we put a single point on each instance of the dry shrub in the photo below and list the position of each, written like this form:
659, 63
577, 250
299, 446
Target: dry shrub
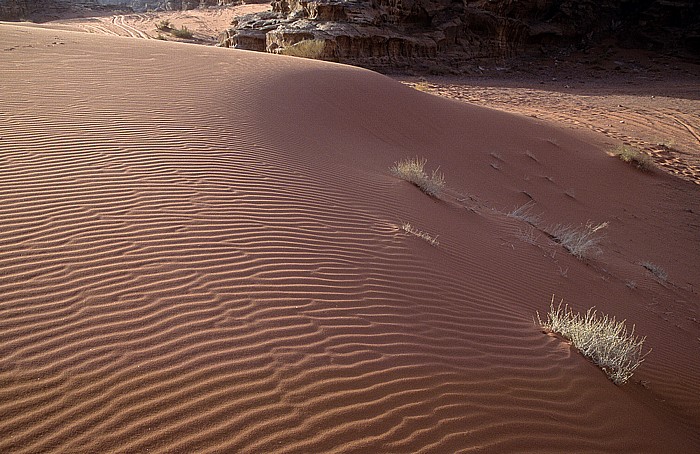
528, 235
408, 228
581, 242
422, 86
635, 157
524, 213
602, 339
182, 33
412, 170
656, 270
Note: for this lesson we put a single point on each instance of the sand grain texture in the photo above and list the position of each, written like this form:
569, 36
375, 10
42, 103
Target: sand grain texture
201, 251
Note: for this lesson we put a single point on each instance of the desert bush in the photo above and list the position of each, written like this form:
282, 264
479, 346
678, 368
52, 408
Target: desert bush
308, 48
422, 86
408, 228
581, 242
161, 37
635, 157
164, 25
412, 170
182, 33
656, 270
524, 213
602, 339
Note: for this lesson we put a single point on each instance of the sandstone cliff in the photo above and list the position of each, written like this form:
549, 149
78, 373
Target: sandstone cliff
402, 33
29, 9
173, 5
12, 10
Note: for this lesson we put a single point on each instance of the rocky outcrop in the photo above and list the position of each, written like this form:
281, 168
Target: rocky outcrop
39, 10
165, 5
374, 34
26, 9
29, 9
397, 33
15, 9
174, 5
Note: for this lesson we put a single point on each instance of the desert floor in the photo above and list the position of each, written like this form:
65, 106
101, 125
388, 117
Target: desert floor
203, 251
205, 24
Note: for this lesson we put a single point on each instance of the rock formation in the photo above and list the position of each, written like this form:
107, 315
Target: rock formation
173, 5
400, 33
15, 9
30, 9
12, 10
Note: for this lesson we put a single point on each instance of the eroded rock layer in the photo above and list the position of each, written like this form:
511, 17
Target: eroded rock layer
397, 33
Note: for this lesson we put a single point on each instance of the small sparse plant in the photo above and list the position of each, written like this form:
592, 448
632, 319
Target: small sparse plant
161, 37
422, 86
412, 170
656, 270
581, 242
308, 48
164, 25
635, 157
528, 235
182, 33
602, 339
524, 213
408, 228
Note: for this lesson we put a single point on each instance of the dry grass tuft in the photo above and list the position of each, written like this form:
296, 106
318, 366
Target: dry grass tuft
581, 242
182, 33
524, 213
529, 235
656, 270
635, 157
602, 339
412, 170
308, 48
408, 228
422, 86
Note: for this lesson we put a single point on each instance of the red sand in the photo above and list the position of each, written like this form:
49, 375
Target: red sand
201, 252
655, 109
205, 24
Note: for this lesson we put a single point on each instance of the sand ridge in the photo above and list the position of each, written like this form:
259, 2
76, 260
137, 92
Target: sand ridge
217, 264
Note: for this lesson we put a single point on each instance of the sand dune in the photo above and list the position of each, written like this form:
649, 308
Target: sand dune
201, 252
205, 24
655, 110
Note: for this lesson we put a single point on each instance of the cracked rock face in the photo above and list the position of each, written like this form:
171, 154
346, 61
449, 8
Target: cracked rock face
383, 34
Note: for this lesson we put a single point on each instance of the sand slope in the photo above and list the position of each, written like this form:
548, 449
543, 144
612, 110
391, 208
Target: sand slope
201, 252
656, 110
205, 24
